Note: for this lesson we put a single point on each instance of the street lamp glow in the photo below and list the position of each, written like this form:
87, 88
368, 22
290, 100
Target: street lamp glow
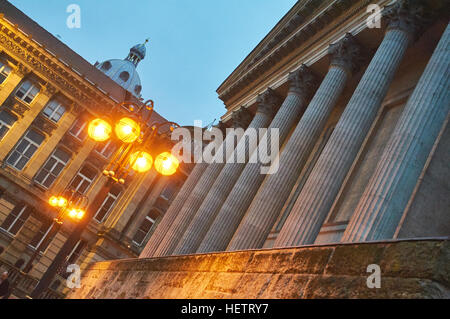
53, 201
141, 161
62, 202
166, 164
76, 213
99, 130
127, 130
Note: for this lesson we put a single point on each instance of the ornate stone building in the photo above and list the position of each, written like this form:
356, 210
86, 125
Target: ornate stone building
47, 94
363, 176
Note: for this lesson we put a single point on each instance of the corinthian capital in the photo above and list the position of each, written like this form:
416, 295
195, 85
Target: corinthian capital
268, 102
241, 118
410, 16
347, 54
303, 82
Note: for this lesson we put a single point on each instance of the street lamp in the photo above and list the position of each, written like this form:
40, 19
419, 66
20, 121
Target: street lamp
128, 126
136, 137
74, 206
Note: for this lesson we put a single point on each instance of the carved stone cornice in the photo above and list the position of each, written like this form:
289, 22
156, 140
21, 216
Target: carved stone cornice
347, 54
33, 58
268, 102
241, 118
22, 70
302, 82
410, 16
269, 55
48, 90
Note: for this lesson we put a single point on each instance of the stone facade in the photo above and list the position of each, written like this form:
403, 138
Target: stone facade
29, 54
409, 269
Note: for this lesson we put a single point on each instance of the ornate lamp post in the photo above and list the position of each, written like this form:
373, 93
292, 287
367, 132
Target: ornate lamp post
128, 126
74, 207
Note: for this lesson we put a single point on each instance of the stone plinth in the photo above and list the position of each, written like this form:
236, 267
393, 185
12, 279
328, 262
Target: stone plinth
409, 269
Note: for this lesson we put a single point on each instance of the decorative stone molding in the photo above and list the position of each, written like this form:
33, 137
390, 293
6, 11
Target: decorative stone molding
241, 118
302, 82
48, 90
268, 102
36, 60
43, 124
347, 54
410, 16
22, 70
270, 55
16, 106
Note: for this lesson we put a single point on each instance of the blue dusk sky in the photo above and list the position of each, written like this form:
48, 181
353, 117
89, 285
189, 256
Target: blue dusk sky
194, 44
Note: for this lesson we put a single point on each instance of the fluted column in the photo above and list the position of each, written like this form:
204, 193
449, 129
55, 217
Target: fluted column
241, 119
266, 205
384, 200
267, 102
173, 210
322, 186
302, 83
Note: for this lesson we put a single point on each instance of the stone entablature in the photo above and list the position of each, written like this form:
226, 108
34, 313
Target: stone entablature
409, 269
322, 23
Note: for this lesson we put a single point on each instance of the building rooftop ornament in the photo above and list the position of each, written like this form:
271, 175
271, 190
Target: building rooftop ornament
123, 72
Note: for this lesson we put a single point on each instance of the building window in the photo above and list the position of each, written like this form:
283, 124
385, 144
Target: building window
5, 70
40, 236
25, 149
15, 220
52, 168
145, 227
6, 122
79, 129
105, 149
76, 252
27, 91
108, 204
54, 110
83, 180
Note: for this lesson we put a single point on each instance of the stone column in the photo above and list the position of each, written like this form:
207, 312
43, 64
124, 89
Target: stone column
384, 200
216, 195
302, 83
325, 180
266, 205
173, 210
241, 119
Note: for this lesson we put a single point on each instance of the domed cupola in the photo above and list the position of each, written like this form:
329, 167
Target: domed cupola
123, 72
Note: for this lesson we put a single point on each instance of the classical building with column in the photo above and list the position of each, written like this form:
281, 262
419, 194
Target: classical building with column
359, 94
48, 93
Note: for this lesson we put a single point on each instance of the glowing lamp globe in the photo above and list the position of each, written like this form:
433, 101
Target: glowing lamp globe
127, 130
99, 130
53, 201
166, 164
141, 162
62, 202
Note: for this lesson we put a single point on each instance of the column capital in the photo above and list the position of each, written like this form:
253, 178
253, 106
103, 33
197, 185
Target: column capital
303, 82
347, 54
409, 16
268, 102
241, 118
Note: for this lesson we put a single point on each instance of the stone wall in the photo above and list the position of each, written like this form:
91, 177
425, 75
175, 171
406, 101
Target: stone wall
409, 269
